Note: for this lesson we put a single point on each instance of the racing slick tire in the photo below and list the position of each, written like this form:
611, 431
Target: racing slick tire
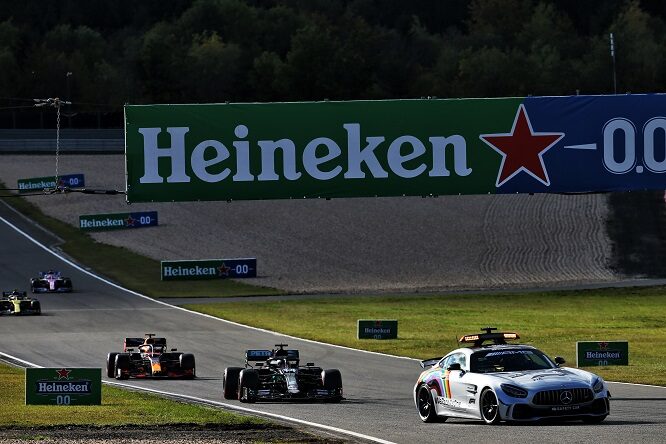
187, 363
111, 365
425, 405
230, 382
248, 385
37, 307
489, 407
122, 363
332, 380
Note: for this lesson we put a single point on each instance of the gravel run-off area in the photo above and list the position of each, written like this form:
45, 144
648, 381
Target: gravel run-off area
353, 245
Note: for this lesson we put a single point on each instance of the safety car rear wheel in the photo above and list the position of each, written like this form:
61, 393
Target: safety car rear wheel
230, 382
248, 385
111, 365
489, 407
425, 405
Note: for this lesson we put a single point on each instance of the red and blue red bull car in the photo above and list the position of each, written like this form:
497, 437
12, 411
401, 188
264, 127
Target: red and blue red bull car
149, 357
50, 282
507, 382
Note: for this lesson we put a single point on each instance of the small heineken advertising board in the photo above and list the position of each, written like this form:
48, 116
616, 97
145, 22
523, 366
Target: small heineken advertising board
602, 353
63, 386
209, 269
40, 183
118, 221
377, 329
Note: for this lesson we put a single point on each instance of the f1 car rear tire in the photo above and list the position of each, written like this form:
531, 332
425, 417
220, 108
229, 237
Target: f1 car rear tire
425, 404
230, 382
187, 363
332, 380
489, 407
111, 365
122, 363
248, 385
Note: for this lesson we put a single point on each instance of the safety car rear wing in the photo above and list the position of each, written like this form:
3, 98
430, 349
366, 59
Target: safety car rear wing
430, 362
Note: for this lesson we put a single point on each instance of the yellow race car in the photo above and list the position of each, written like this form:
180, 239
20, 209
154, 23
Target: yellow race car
18, 303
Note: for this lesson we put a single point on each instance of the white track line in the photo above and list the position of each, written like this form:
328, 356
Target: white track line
284, 418
225, 405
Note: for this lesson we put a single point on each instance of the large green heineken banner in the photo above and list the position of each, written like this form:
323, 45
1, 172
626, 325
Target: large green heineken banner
395, 148
63, 386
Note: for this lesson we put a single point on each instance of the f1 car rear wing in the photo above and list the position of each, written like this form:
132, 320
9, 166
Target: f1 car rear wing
135, 342
257, 355
6, 294
262, 355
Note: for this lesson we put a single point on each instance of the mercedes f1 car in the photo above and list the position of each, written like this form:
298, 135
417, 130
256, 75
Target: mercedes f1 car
506, 382
276, 375
149, 357
18, 303
50, 282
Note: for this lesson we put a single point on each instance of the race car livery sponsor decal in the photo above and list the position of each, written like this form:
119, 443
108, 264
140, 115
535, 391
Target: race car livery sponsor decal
248, 151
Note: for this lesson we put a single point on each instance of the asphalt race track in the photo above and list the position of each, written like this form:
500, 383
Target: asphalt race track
79, 329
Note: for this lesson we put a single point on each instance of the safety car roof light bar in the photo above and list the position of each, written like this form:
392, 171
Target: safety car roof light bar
489, 336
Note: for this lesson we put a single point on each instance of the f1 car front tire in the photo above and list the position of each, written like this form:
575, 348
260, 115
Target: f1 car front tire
187, 363
111, 365
248, 385
230, 382
332, 380
122, 363
489, 407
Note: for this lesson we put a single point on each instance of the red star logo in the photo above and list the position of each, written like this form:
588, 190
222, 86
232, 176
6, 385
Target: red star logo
130, 221
223, 270
602, 345
63, 373
522, 149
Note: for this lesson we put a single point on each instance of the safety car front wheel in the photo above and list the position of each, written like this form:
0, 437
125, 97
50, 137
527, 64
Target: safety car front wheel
489, 407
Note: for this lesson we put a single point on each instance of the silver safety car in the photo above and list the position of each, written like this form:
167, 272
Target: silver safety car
494, 381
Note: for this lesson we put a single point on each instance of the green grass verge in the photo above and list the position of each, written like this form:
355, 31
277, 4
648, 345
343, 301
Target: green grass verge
429, 325
134, 271
119, 407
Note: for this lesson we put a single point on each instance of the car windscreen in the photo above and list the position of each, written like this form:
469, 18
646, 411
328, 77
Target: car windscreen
512, 360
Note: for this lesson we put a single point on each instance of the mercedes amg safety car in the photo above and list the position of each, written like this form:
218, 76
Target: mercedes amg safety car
149, 357
50, 282
18, 303
507, 382
276, 375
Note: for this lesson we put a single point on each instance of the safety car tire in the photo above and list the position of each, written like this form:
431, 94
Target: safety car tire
425, 405
489, 407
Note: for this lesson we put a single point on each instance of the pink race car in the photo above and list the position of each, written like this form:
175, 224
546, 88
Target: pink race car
50, 282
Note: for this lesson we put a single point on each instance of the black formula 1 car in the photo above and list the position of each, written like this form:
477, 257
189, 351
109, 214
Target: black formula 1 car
50, 282
275, 375
149, 357
18, 303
